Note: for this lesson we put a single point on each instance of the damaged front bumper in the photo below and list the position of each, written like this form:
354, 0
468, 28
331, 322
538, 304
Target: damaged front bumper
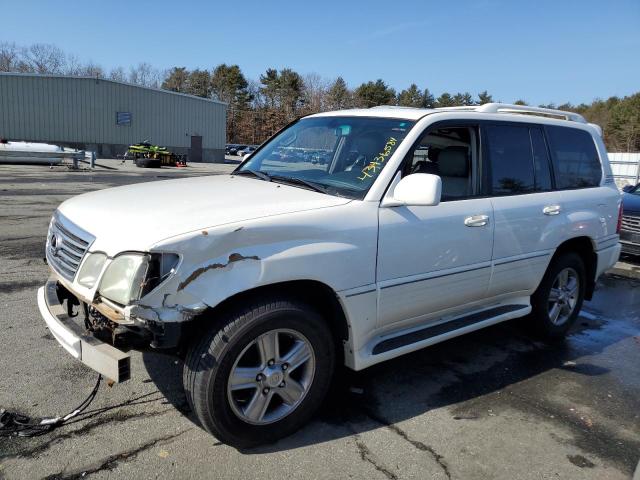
109, 331
100, 356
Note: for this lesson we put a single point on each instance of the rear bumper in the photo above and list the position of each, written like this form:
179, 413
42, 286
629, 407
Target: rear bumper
114, 364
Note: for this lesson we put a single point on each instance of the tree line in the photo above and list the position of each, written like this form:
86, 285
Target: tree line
258, 108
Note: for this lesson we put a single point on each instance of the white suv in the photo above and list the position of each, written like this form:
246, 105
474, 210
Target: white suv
415, 226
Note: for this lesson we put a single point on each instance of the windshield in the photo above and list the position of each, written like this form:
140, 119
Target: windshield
335, 155
635, 190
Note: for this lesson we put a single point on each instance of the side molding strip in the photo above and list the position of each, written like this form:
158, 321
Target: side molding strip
434, 331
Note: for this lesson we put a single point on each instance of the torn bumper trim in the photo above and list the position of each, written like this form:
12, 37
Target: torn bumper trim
114, 364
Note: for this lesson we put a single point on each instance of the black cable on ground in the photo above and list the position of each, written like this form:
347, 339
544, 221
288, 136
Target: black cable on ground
16, 425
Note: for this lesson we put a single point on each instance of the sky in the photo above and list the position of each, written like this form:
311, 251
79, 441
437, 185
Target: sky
542, 51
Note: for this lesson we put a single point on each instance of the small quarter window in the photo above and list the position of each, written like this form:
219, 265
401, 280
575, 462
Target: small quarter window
575, 159
510, 159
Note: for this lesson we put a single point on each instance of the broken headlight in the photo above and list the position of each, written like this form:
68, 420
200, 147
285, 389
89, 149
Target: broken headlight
91, 268
131, 276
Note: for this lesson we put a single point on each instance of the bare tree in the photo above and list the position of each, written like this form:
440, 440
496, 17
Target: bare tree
144, 74
73, 65
315, 92
44, 58
10, 57
118, 74
91, 69
253, 89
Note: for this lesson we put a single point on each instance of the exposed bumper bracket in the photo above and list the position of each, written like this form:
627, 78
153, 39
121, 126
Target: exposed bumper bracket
114, 364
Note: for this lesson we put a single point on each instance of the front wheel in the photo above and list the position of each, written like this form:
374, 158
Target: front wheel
558, 300
261, 372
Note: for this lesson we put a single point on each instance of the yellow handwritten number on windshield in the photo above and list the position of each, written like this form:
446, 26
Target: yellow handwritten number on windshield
375, 165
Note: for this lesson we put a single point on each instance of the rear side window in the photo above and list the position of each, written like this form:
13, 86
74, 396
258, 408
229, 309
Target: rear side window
510, 160
575, 159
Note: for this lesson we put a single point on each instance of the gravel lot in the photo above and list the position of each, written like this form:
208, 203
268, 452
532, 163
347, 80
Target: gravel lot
493, 404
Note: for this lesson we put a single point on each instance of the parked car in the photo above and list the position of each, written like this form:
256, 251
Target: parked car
424, 225
630, 227
247, 150
236, 148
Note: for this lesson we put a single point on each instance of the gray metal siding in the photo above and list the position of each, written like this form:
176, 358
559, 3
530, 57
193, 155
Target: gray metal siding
83, 110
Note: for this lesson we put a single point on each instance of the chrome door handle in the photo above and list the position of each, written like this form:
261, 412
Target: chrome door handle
551, 210
476, 221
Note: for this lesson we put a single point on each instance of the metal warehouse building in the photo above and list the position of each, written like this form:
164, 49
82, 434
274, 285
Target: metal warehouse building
106, 116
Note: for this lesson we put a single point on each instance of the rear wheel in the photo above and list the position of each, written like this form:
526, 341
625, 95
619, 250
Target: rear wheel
260, 373
558, 300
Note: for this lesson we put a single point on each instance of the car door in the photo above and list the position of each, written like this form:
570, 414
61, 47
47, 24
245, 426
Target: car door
434, 260
528, 214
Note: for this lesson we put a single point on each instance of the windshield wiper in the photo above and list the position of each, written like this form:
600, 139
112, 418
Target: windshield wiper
283, 179
256, 173
300, 181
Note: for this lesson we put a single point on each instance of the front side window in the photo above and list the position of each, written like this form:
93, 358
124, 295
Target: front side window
449, 153
510, 159
335, 155
575, 158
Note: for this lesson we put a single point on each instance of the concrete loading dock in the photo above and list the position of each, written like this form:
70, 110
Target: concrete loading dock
106, 116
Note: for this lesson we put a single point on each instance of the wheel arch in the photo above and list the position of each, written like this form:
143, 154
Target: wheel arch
585, 247
316, 294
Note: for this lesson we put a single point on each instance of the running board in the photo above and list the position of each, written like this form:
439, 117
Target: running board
444, 328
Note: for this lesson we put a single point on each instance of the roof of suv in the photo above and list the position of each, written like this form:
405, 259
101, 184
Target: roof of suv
410, 113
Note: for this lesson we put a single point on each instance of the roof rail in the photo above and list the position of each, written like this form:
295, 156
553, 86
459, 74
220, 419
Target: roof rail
550, 112
394, 106
453, 109
509, 108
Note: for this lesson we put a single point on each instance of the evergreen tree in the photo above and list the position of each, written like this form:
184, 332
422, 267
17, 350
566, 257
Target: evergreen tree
445, 100
199, 83
484, 97
228, 84
411, 97
429, 100
176, 80
375, 93
338, 95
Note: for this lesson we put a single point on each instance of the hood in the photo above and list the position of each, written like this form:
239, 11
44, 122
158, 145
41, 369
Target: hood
135, 217
630, 203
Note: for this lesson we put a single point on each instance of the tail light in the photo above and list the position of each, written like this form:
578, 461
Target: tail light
619, 226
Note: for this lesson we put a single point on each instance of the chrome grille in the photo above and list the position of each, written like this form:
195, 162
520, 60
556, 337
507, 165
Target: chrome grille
631, 223
66, 246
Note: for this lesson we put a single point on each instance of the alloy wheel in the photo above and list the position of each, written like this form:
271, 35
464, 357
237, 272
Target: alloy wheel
563, 296
271, 376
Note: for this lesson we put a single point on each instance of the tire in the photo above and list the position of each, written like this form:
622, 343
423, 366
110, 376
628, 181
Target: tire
547, 320
235, 344
148, 163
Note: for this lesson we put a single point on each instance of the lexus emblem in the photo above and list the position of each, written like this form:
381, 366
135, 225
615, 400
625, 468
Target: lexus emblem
53, 245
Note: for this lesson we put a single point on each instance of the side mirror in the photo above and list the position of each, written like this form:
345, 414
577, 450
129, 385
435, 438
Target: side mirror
417, 189
627, 188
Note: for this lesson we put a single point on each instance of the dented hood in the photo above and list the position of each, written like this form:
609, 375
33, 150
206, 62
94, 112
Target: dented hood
136, 217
